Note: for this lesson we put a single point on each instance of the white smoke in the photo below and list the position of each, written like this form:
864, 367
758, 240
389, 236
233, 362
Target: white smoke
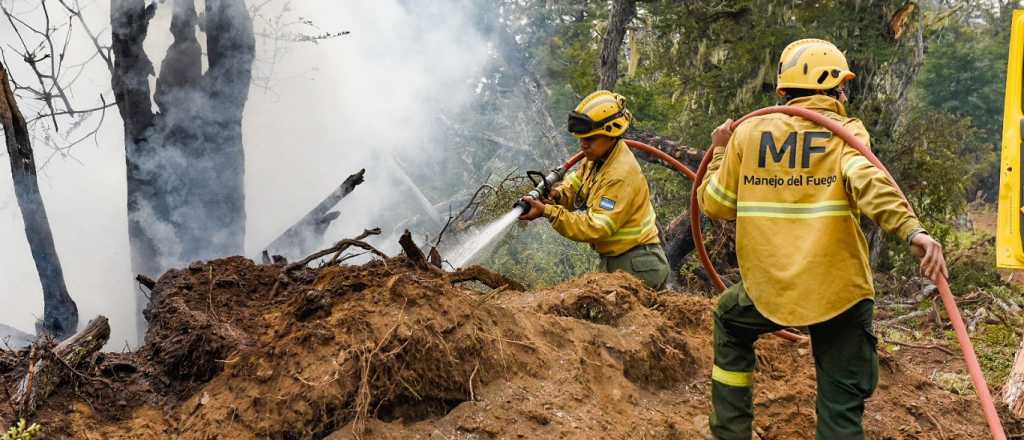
331, 109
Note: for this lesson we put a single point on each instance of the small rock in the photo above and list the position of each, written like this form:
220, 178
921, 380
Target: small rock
196, 266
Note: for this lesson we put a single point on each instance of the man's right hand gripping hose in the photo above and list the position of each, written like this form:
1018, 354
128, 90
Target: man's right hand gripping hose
924, 247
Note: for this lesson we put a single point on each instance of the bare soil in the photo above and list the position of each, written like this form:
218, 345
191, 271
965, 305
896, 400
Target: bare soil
388, 351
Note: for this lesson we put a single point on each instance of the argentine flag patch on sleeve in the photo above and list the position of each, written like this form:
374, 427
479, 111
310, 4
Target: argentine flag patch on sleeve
607, 204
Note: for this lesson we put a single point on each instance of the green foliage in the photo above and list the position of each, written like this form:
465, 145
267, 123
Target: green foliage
936, 167
996, 346
953, 382
21, 431
965, 75
670, 192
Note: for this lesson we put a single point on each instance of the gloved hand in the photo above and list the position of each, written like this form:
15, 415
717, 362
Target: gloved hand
536, 209
720, 136
929, 251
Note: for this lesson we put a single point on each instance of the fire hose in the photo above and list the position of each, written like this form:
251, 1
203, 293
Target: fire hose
948, 301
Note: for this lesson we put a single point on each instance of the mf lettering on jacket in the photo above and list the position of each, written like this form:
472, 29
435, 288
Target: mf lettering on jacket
809, 142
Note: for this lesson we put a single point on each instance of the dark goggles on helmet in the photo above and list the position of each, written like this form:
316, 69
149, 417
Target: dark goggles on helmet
580, 123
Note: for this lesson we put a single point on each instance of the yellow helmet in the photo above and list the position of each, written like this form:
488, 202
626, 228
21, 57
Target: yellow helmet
812, 64
601, 112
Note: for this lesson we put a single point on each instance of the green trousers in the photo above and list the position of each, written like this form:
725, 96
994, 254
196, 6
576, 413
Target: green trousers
845, 360
646, 262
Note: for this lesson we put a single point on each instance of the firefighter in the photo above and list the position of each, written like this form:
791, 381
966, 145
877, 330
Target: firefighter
797, 193
607, 202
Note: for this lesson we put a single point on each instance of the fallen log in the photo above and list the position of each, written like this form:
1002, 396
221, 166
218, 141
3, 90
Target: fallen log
690, 157
1013, 393
53, 366
302, 237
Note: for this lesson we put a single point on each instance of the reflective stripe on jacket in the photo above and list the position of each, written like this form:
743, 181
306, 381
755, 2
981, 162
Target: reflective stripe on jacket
797, 193
606, 205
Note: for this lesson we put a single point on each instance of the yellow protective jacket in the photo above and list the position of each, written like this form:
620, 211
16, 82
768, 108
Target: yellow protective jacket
797, 193
606, 204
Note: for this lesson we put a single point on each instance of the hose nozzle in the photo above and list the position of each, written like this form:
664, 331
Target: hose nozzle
543, 185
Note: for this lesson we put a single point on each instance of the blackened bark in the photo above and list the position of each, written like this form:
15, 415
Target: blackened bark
129, 21
623, 12
301, 238
413, 251
185, 163
678, 242
60, 313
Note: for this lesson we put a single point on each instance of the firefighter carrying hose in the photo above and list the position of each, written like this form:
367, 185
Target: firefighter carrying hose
797, 193
607, 202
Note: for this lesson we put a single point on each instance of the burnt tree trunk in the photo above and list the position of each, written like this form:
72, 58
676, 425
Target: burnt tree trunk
60, 313
185, 163
301, 238
623, 12
678, 242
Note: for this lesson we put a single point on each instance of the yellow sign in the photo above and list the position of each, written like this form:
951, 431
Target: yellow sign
1009, 247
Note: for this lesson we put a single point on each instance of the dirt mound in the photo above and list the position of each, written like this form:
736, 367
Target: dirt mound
237, 350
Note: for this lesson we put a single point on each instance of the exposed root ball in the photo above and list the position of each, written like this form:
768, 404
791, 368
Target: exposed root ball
386, 350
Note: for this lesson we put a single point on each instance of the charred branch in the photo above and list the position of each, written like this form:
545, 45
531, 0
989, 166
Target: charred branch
337, 249
60, 313
300, 238
489, 278
413, 252
147, 282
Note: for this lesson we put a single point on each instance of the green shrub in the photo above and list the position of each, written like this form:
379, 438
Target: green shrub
21, 431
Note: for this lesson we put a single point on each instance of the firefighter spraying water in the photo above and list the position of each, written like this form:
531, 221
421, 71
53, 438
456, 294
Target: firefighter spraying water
784, 184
